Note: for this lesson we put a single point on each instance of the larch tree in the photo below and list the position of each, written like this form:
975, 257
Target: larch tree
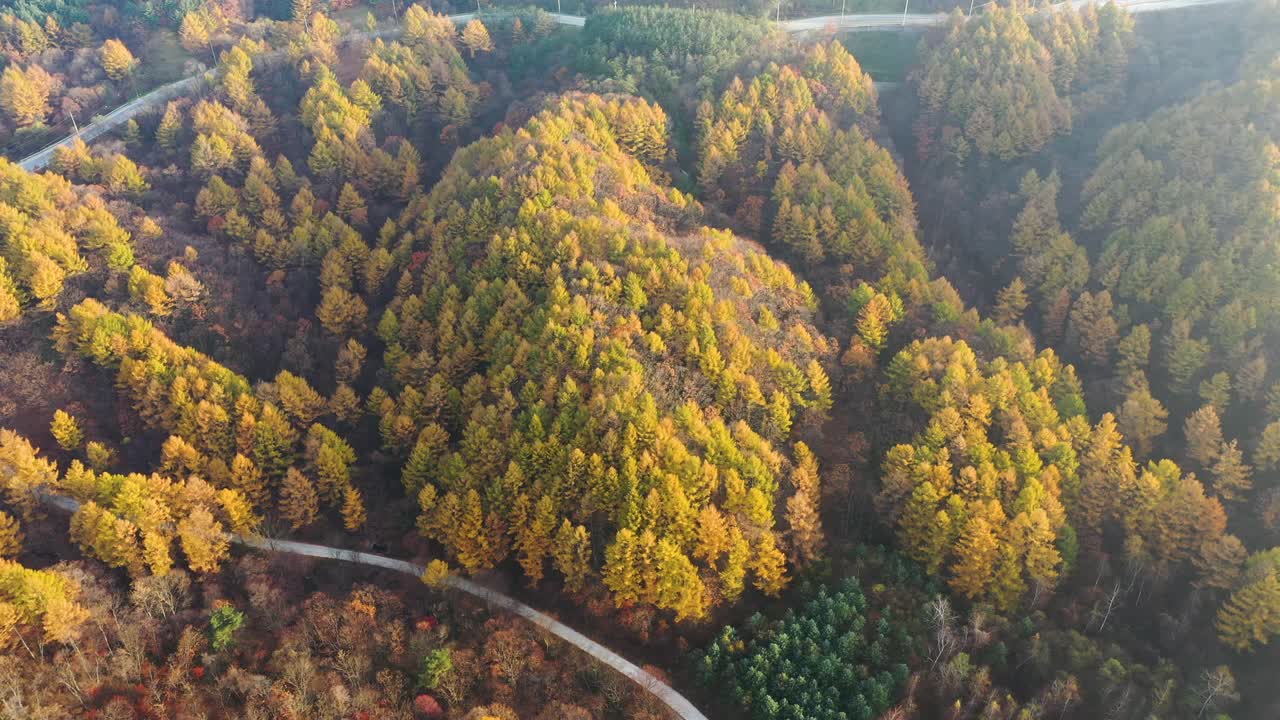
11, 536
976, 551
805, 523
353, 512
24, 94
203, 541
1232, 478
66, 431
116, 60
1142, 419
1251, 616
768, 565
1203, 433
299, 502
571, 552
475, 36
1220, 562
1011, 302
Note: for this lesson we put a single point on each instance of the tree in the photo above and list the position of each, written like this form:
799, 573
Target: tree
475, 36
353, 514
769, 565
805, 524
169, 127
116, 60
1142, 419
1266, 457
194, 32
11, 536
976, 553
66, 430
1203, 432
1217, 689
1091, 329
223, 624
571, 551
435, 665
299, 503
340, 311
302, 10
1220, 561
1011, 302
24, 94
1252, 614
203, 541
1231, 476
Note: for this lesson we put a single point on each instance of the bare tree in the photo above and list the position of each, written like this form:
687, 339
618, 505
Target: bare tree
1110, 604
942, 622
1217, 688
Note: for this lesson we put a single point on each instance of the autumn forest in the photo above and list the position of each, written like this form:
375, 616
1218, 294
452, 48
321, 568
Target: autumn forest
662, 360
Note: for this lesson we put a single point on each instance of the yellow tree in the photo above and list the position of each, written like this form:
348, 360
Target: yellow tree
1231, 476
678, 586
116, 60
203, 541
769, 565
803, 519
299, 503
24, 94
353, 513
571, 552
11, 536
976, 550
475, 36
66, 430
622, 571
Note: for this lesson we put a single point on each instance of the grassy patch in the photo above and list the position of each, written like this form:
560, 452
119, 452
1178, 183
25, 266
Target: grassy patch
886, 56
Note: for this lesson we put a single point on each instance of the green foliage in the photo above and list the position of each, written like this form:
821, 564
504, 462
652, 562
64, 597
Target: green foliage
825, 659
1000, 86
223, 624
435, 665
641, 47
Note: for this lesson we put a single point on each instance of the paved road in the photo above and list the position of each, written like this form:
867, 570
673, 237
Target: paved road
677, 703
900, 21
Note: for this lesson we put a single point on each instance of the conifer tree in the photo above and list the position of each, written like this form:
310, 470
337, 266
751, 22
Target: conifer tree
976, 552
1252, 614
1203, 432
1011, 302
24, 94
116, 60
11, 536
353, 513
299, 503
805, 524
768, 565
475, 36
66, 430
203, 541
571, 551
1231, 476
169, 127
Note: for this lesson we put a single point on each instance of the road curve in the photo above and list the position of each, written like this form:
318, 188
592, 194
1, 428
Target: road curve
677, 703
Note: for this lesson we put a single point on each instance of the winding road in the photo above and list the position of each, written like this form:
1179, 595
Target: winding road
863, 21
677, 703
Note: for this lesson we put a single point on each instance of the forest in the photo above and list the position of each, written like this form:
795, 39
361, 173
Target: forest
804, 393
